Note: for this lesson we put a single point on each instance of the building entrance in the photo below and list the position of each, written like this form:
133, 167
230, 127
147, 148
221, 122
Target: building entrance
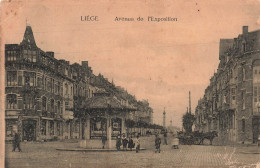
29, 130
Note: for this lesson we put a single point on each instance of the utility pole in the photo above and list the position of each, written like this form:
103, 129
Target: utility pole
164, 118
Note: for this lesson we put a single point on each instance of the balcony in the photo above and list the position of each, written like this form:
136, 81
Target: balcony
30, 112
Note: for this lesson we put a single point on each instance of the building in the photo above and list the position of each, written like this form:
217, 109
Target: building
230, 104
46, 97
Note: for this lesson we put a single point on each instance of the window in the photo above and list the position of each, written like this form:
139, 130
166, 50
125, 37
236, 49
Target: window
243, 74
51, 128
11, 55
58, 107
255, 91
52, 105
11, 101
20, 78
29, 102
243, 101
44, 103
29, 55
58, 129
43, 127
39, 82
59, 88
66, 88
11, 78
29, 78
243, 125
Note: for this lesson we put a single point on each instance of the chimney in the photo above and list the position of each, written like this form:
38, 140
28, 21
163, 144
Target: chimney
245, 29
50, 53
84, 64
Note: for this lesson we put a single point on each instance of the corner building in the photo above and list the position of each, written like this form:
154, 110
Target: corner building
48, 99
231, 103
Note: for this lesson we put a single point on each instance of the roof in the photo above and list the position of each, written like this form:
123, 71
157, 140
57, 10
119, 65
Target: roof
104, 102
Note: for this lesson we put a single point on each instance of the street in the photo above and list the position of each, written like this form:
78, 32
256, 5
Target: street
37, 154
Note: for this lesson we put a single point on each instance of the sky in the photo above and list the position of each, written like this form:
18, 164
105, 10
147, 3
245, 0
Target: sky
158, 61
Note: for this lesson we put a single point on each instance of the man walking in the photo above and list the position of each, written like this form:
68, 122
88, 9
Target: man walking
16, 142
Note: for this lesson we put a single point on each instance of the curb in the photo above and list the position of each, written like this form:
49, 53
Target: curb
94, 150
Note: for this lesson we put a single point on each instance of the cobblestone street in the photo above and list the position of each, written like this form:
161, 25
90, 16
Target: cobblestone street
45, 155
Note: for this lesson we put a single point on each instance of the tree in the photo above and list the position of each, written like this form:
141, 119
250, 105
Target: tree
187, 122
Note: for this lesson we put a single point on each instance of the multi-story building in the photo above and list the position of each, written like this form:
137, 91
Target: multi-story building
231, 102
46, 97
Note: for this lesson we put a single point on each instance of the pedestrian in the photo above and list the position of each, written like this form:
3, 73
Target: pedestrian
157, 143
131, 144
175, 142
125, 142
165, 138
118, 142
104, 139
16, 142
137, 149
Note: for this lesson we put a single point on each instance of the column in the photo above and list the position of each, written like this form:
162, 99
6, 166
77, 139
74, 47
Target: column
109, 132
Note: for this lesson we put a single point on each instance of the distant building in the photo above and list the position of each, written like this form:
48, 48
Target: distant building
230, 104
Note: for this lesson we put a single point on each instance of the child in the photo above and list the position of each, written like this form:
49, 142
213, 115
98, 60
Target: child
137, 144
157, 143
118, 143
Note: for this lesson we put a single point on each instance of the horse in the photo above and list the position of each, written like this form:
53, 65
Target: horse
208, 135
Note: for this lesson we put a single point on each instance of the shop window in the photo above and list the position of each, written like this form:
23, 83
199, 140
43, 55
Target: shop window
11, 101
11, 78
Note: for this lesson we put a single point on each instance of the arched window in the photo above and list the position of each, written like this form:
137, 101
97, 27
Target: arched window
52, 105
11, 101
58, 107
44, 103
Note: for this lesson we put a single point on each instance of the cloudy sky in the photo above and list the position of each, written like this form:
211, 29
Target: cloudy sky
158, 61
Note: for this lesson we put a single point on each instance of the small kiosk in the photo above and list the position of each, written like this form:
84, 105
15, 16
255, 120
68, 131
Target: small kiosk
104, 119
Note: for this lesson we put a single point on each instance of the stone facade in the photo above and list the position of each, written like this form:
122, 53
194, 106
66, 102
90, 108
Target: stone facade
230, 103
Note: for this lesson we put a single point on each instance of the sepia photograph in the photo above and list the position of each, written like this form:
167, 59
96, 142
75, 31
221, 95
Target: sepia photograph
130, 84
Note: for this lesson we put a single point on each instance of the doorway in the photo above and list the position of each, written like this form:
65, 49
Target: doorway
29, 130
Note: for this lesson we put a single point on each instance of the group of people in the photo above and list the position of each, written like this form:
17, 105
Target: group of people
128, 143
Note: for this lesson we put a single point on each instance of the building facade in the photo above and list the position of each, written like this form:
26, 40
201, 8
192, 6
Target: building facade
44, 95
230, 104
